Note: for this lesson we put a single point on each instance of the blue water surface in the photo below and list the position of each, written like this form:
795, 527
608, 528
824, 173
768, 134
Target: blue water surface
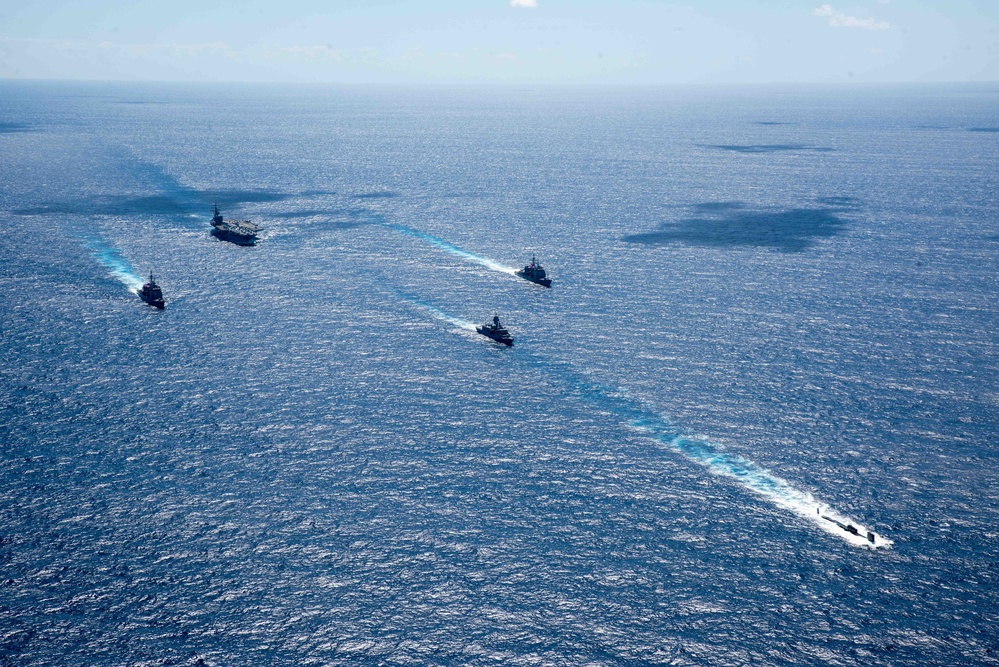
770, 305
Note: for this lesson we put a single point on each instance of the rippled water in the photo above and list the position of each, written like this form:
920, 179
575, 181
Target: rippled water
770, 306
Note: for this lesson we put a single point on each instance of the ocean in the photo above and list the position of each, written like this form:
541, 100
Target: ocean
773, 318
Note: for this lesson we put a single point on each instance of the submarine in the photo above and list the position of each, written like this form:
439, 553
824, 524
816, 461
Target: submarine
847, 527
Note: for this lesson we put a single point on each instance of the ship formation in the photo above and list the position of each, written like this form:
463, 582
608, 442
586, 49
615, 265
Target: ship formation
240, 232
533, 272
243, 232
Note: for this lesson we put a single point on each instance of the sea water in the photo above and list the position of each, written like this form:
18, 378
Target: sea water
770, 306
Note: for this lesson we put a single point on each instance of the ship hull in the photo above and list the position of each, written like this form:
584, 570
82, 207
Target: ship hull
485, 332
544, 282
155, 303
231, 237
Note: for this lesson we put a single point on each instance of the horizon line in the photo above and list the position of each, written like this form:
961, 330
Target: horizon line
511, 84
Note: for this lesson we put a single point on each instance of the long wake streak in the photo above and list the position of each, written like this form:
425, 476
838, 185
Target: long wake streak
111, 259
761, 481
719, 462
435, 312
700, 450
451, 248
713, 456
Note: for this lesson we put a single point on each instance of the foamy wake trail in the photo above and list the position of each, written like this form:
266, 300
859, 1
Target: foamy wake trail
435, 312
700, 450
712, 456
761, 481
451, 248
111, 259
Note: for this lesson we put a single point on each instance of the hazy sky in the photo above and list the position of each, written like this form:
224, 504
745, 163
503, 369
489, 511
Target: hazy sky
509, 41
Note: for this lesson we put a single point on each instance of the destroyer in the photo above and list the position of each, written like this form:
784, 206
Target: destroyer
152, 294
496, 332
535, 273
240, 232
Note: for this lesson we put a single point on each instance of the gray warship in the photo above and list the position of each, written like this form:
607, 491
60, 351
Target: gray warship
496, 331
535, 273
240, 232
152, 294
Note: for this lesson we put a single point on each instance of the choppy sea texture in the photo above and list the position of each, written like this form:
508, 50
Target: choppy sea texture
697, 449
772, 313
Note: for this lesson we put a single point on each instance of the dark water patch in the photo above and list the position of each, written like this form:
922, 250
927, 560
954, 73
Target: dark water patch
167, 196
178, 203
164, 183
381, 194
709, 207
155, 177
773, 122
363, 216
14, 128
153, 205
790, 230
983, 129
768, 148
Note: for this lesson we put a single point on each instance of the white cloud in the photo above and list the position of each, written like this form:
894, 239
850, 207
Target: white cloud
841, 20
530, 4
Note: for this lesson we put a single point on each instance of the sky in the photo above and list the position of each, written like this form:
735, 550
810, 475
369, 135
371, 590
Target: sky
501, 41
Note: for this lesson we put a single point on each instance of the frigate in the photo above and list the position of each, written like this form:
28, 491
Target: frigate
496, 331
